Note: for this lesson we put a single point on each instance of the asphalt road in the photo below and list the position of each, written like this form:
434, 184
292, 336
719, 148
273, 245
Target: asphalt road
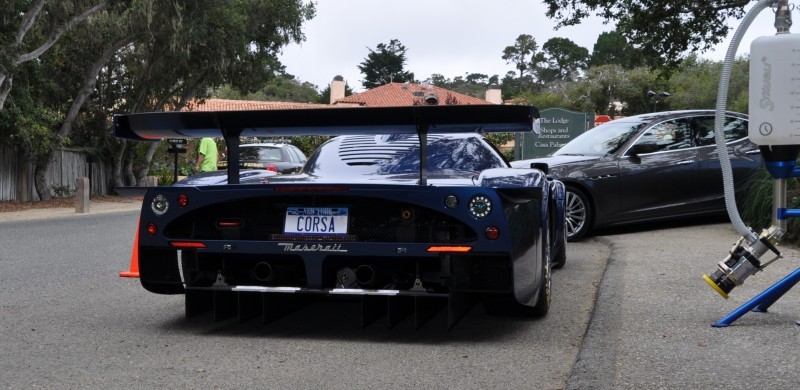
68, 321
630, 312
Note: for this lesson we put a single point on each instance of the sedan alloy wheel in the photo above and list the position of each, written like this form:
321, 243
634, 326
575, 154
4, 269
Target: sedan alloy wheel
577, 214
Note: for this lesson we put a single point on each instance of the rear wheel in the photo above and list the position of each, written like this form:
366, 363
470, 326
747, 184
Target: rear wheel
579, 214
560, 257
560, 241
507, 305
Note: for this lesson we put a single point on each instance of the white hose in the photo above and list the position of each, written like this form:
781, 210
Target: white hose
719, 121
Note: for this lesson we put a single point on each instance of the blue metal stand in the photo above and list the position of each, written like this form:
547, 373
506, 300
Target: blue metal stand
762, 301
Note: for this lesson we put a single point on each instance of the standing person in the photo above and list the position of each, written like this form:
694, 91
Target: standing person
206, 155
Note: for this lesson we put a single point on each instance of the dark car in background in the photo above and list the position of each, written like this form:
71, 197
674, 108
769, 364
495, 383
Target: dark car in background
282, 158
648, 167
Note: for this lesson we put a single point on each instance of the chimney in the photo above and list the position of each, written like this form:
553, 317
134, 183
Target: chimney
337, 88
431, 98
494, 95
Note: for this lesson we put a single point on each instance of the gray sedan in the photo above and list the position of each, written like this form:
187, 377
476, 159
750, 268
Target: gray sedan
648, 167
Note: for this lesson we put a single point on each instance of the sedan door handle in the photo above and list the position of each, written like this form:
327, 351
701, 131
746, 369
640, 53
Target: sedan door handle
684, 162
753, 151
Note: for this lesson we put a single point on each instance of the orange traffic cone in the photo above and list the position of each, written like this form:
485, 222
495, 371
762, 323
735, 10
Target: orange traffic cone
133, 272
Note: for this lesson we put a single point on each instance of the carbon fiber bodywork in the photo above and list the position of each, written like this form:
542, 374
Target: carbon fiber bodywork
478, 231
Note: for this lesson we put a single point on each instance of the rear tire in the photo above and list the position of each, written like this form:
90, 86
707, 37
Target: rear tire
560, 258
560, 255
507, 305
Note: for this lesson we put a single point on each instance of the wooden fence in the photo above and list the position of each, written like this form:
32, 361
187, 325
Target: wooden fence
16, 174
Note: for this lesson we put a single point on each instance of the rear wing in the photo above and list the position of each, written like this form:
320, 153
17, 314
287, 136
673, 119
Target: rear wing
419, 120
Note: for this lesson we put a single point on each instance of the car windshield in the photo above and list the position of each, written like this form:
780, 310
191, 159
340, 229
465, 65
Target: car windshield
601, 140
459, 154
399, 154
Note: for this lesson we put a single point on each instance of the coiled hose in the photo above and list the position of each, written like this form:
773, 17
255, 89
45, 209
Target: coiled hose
719, 121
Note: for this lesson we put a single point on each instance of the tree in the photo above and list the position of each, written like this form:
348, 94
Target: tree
472, 84
55, 17
385, 65
666, 29
564, 60
611, 48
282, 88
512, 85
195, 47
694, 84
175, 51
523, 54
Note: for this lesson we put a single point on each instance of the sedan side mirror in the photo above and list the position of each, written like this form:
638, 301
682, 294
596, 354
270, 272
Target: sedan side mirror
541, 166
643, 147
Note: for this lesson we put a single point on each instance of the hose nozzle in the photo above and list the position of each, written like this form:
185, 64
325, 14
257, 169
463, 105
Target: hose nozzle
743, 261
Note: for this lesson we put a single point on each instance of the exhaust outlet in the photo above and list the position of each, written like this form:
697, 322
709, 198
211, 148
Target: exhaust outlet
367, 276
263, 272
273, 274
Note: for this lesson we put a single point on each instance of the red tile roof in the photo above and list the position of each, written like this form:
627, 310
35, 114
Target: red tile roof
406, 94
393, 94
238, 105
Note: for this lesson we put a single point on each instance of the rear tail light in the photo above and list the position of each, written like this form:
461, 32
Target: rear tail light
187, 244
271, 167
229, 223
492, 233
152, 229
450, 248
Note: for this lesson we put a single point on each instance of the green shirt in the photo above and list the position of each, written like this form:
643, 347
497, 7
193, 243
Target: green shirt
208, 148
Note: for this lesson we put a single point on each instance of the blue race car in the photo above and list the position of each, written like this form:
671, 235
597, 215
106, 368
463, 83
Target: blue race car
410, 211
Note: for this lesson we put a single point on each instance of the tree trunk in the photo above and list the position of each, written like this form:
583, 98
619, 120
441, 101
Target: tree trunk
89, 83
188, 94
148, 156
130, 178
116, 162
40, 176
5, 88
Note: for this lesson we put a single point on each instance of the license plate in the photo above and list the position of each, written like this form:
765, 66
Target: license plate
316, 220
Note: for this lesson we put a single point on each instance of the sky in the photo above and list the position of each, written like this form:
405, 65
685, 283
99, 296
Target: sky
449, 37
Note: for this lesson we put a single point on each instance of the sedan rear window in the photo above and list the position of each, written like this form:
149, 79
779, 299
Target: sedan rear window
261, 153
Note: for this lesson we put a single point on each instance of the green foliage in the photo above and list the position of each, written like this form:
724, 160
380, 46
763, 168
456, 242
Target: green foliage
385, 65
472, 84
546, 100
499, 139
523, 54
611, 48
308, 144
165, 175
288, 89
694, 85
755, 199
664, 30
564, 60
31, 127
283, 88
35, 130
